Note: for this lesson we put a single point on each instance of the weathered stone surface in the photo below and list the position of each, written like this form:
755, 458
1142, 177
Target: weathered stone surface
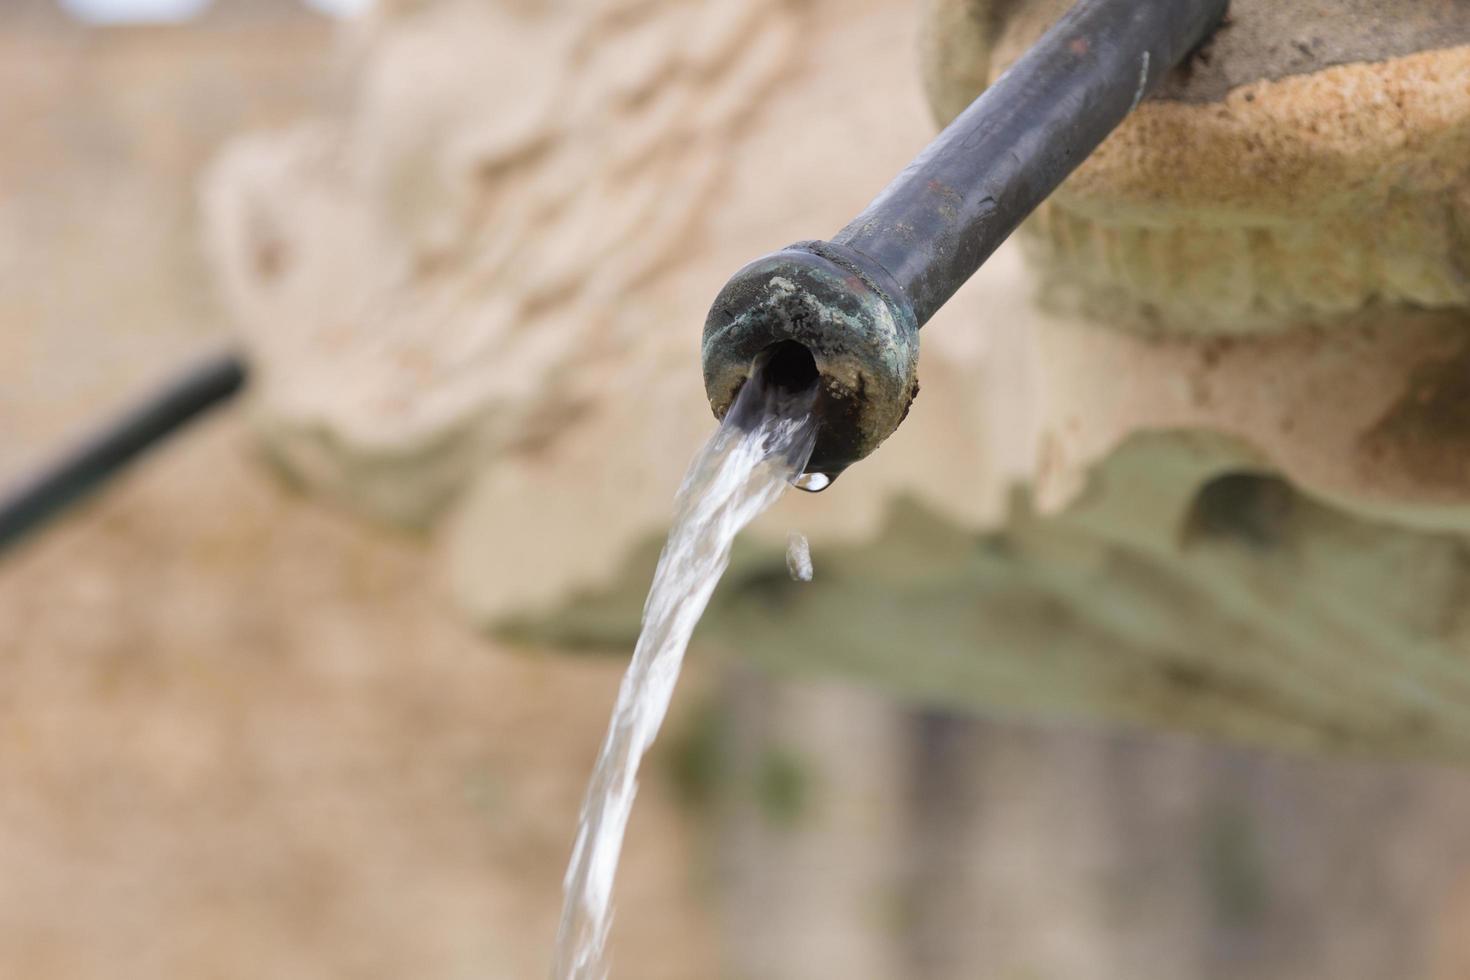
1259, 40
455, 269
1295, 202
1234, 420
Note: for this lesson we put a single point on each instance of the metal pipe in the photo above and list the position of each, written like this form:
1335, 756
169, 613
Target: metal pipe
46, 494
857, 301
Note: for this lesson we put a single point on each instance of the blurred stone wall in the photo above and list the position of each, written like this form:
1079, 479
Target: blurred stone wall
896, 841
240, 735
102, 282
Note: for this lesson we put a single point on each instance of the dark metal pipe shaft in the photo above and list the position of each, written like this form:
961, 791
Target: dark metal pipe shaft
41, 498
857, 301
933, 226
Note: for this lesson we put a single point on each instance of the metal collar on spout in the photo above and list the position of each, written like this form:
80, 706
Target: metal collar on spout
857, 302
852, 318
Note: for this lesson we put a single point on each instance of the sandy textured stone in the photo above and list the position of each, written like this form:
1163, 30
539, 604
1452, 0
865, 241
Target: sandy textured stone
1308, 163
1291, 202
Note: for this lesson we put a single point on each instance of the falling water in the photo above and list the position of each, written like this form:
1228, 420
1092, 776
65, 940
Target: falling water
798, 557
761, 446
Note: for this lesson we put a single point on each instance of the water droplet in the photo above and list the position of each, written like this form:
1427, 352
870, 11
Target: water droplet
798, 557
813, 482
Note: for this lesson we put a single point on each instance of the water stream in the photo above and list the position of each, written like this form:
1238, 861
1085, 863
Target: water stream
759, 449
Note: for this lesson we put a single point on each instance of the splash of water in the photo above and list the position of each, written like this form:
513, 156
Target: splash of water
761, 446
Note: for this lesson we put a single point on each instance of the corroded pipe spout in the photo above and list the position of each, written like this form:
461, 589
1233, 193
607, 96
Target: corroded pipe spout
856, 303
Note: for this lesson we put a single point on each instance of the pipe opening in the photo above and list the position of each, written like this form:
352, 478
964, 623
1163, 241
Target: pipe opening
787, 374
789, 367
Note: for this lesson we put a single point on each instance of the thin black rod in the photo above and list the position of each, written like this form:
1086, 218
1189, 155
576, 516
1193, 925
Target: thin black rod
933, 226
45, 495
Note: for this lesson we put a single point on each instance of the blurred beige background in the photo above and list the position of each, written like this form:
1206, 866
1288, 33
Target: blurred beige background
243, 734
